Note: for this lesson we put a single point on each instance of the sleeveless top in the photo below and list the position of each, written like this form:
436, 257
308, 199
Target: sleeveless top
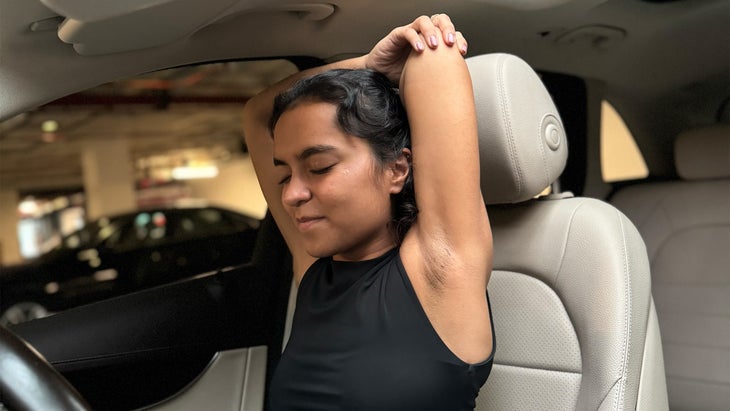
360, 340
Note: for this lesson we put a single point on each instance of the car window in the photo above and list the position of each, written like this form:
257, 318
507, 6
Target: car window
91, 235
82, 238
620, 156
136, 174
182, 128
201, 223
145, 229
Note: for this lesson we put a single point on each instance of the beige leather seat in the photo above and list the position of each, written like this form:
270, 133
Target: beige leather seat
686, 227
571, 292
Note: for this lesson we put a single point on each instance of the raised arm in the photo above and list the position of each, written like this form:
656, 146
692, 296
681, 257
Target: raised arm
448, 250
452, 236
387, 57
256, 116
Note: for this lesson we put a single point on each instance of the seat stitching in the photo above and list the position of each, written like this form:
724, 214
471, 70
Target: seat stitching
657, 206
627, 317
540, 144
565, 243
538, 368
517, 171
607, 394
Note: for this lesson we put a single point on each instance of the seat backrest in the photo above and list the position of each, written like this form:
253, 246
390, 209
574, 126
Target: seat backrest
570, 289
686, 228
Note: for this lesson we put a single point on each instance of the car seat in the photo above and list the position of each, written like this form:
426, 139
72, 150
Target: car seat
686, 227
574, 319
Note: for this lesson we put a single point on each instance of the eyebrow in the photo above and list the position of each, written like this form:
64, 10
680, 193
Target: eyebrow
306, 153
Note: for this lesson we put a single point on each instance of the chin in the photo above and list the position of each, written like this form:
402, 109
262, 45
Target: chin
320, 251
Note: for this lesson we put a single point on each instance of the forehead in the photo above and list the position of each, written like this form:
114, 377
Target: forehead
311, 124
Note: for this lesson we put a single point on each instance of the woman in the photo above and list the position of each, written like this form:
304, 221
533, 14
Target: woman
392, 312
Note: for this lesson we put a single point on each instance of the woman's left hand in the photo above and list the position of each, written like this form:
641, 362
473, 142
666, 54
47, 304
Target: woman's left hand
390, 54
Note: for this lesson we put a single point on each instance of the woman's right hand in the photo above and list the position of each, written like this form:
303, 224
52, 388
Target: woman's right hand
390, 54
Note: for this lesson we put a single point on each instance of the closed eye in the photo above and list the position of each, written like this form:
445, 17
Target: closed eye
323, 170
284, 180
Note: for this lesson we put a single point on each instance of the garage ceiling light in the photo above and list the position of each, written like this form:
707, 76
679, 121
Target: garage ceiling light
193, 172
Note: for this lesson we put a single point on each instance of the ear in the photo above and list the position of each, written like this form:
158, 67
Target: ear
399, 171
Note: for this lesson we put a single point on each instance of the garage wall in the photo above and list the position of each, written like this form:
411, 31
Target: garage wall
235, 187
9, 247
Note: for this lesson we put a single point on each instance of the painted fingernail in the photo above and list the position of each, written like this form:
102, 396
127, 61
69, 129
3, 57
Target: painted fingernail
432, 40
463, 48
419, 46
450, 38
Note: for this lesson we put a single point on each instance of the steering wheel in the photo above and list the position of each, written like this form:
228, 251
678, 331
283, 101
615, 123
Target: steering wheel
29, 383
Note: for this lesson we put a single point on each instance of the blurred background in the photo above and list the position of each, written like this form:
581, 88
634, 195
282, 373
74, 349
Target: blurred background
166, 139
146, 181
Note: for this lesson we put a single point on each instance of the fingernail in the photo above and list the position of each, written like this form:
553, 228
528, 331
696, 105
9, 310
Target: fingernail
433, 41
463, 48
450, 38
419, 46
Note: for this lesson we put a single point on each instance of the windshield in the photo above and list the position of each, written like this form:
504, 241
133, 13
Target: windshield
89, 236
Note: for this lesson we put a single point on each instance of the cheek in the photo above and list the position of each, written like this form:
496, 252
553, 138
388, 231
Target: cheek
355, 190
373, 195
333, 194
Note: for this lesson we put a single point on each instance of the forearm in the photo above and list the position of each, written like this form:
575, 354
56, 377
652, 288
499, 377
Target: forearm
437, 93
256, 116
258, 109
436, 90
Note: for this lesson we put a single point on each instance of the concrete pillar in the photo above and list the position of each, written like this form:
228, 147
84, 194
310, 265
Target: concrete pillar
108, 177
235, 187
9, 246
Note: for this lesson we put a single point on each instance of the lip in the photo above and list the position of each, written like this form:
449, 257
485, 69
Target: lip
305, 223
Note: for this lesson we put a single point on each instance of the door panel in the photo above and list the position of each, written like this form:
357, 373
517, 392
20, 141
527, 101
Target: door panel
143, 348
151, 346
233, 381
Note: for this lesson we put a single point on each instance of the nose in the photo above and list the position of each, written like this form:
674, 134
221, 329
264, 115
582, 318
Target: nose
295, 192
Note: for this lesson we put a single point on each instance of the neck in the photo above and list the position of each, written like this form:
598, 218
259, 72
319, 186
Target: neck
362, 254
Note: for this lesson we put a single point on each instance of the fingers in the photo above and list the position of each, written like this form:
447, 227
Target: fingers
409, 35
438, 26
461, 43
443, 22
427, 30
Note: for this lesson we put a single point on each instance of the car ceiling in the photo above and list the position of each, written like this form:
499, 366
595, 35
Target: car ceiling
652, 57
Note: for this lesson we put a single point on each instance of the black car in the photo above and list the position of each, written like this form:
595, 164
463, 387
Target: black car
124, 253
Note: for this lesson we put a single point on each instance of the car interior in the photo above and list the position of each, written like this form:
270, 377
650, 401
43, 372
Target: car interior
685, 225
598, 344
605, 294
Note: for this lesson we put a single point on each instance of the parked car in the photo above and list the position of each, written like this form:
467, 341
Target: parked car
119, 254
213, 342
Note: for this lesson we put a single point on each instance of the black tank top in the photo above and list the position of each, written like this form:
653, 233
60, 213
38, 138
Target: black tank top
360, 340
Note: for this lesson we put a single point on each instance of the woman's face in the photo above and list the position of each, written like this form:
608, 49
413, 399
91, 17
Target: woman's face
332, 188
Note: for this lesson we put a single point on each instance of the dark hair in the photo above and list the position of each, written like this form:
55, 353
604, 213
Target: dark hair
368, 107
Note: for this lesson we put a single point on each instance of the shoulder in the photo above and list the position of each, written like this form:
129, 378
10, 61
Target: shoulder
314, 269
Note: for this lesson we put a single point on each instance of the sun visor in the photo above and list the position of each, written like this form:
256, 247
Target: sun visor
526, 5
138, 24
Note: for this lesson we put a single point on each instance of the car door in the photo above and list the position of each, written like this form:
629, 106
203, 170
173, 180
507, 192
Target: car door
96, 265
206, 239
209, 341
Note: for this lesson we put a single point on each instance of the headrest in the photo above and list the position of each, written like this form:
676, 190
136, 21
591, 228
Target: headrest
522, 144
703, 153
